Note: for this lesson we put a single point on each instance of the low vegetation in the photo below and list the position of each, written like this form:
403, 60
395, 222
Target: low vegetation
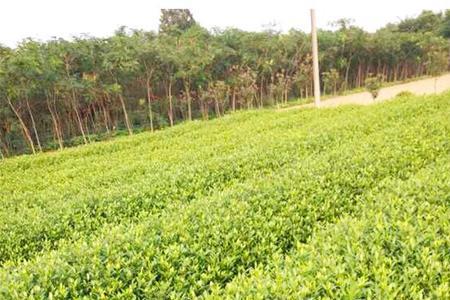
350, 202
373, 85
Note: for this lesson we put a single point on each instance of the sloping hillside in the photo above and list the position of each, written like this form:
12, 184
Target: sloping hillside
346, 202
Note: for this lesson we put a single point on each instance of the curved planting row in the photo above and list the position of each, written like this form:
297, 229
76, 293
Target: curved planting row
395, 247
126, 186
191, 248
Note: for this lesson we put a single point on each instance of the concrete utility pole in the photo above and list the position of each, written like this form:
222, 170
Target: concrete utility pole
315, 59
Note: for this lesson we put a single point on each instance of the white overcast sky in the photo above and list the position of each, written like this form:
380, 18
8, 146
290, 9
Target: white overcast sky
44, 19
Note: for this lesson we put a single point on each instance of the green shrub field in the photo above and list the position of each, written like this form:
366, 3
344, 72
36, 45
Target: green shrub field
344, 203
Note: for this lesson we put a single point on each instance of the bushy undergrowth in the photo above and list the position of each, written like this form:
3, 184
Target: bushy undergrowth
349, 202
396, 246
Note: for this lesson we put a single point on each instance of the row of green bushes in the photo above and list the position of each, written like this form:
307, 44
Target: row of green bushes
71, 194
237, 207
395, 246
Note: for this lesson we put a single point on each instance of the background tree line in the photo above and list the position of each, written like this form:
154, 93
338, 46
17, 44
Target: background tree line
60, 93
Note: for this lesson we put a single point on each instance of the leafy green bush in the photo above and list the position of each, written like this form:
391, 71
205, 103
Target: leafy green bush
395, 245
404, 94
314, 203
373, 85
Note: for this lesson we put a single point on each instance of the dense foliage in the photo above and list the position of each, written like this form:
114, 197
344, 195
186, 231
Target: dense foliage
373, 85
60, 93
335, 203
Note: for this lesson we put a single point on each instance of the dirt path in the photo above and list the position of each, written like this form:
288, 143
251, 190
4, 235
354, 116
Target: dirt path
419, 87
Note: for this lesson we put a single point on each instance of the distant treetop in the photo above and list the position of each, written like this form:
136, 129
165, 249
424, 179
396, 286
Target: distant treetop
173, 21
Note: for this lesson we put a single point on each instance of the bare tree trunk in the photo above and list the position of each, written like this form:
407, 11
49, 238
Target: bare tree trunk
403, 73
202, 109
187, 90
5, 151
169, 95
261, 98
58, 119
359, 78
347, 71
149, 99
87, 128
378, 66
233, 99
77, 114
97, 110
72, 124
105, 115
105, 118
25, 130
55, 123
223, 107
148, 86
395, 71
286, 94
206, 110
91, 117
216, 105
33, 124
124, 109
